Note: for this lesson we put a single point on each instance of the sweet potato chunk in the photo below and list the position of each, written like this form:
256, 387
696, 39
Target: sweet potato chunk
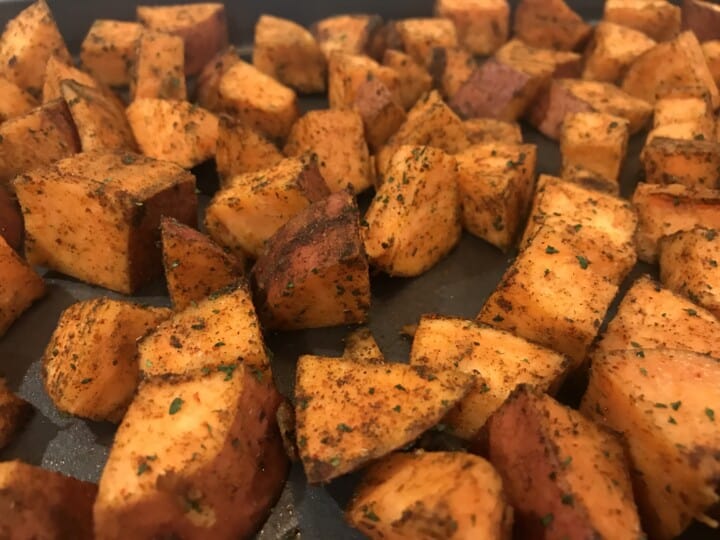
39, 137
413, 79
221, 329
109, 50
590, 180
711, 50
20, 286
500, 360
664, 403
100, 121
482, 25
496, 181
564, 475
258, 100
679, 106
659, 19
351, 34
27, 43
702, 17
12, 228
203, 28
197, 456
550, 24
487, 130
289, 53
112, 241
14, 413
650, 317
57, 71
255, 205
611, 51
565, 96
241, 149
173, 130
314, 272
90, 366
195, 266
539, 61
693, 163
689, 266
15, 102
158, 71
420, 36
381, 112
379, 408
414, 219
679, 62
207, 91
431, 495
360, 345
664, 210
596, 142
450, 68
36, 503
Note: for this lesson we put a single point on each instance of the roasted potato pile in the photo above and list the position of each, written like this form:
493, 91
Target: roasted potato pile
583, 400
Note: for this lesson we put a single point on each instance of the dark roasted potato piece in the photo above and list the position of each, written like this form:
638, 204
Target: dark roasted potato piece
313, 272
702, 17
158, 70
659, 19
20, 286
550, 24
14, 413
109, 49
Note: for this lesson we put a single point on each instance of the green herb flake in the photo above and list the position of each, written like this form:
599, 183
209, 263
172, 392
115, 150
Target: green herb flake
484, 389
567, 499
643, 372
660, 406
86, 381
584, 263
672, 420
143, 468
566, 462
198, 326
397, 408
344, 428
711, 235
710, 413
675, 405
369, 514
550, 250
228, 370
176, 405
128, 159
219, 344
577, 227
691, 312
547, 519
401, 387
335, 462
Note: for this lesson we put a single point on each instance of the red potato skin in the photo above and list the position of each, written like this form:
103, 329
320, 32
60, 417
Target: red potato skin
703, 18
12, 226
551, 107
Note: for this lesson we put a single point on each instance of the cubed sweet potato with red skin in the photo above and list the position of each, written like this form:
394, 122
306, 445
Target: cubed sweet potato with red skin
109, 49
450, 67
551, 24
702, 17
314, 272
565, 475
14, 413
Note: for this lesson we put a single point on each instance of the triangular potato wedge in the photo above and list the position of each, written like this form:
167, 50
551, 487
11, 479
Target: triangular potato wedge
195, 266
360, 345
349, 413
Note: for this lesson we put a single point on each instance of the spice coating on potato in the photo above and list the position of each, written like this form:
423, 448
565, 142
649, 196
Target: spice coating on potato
612, 50
157, 70
20, 286
241, 149
413, 79
207, 91
659, 19
352, 34
420, 36
550, 24
15, 102
482, 25
109, 50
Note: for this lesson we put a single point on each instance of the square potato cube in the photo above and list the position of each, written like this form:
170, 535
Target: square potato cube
450, 69
158, 70
496, 181
482, 25
595, 141
351, 34
15, 102
414, 80
693, 163
611, 51
109, 50
420, 36
550, 24
241, 149
112, 242
486, 130
20, 286
659, 19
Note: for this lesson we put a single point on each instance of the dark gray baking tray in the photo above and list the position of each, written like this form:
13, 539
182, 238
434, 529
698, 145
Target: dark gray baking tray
458, 286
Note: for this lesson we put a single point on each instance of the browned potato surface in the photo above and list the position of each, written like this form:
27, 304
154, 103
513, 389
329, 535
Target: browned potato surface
241, 149
350, 413
20, 286
14, 413
420, 36
109, 50
428, 495
360, 345
611, 51
450, 68
702, 17
659, 19
413, 79
551, 24
482, 25
35, 503
565, 476
158, 70
90, 366
207, 91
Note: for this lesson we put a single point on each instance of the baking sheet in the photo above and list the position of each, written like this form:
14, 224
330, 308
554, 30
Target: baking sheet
457, 286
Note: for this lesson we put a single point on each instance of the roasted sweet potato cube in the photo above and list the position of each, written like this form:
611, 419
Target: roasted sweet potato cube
496, 182
679, 108
173, 130
664, 403
351, 34
611, 51
337, 138
314, 272
590, 180
12, 228
39, 137
219, 330
38, 503
360, 345
339, 432
109, 50
679, 62
289, 53
659, 19
203, 28
207, 91
112, 242
414, 219
487, 130
213, 464
689, 266
420, 36
550, 24
482, 25
16, 101
413, 79
594, 141
241, 149
565, 96
711, 50
14, 413
664, 210
255, 205
568, 477
538, 61
195, 266
650, 317
90, 366
380, 110
58, 71
500, 360
347, 73
431, 495
551, 296
100, 121
450, 68
26, 45
693, 163
258, 100
158, 71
